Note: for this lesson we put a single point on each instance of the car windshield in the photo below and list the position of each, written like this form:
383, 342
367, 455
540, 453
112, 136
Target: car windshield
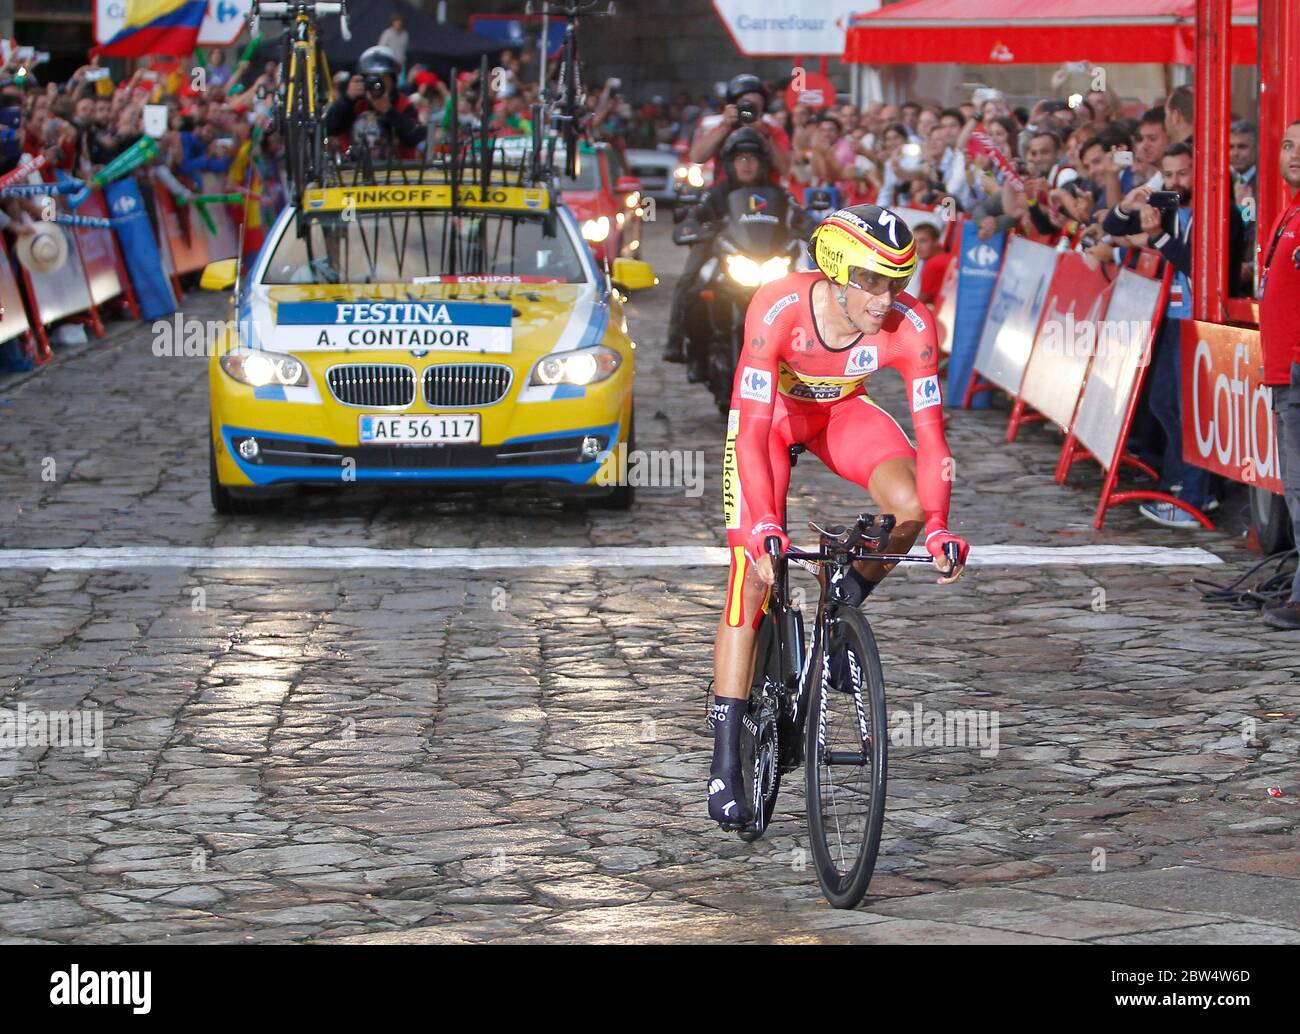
588, 177
397, 247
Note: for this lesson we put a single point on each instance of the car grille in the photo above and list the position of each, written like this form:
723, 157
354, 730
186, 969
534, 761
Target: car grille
466, 384
286, 452
372, 384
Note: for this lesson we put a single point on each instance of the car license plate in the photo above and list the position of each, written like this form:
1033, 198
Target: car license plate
420, 429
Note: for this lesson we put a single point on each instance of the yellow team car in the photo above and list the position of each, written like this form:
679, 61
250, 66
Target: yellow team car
385, 334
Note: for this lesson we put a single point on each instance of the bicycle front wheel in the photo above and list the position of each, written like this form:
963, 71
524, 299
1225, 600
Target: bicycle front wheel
847, 760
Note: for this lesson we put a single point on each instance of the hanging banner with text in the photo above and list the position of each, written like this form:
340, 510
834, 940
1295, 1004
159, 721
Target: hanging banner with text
810, 27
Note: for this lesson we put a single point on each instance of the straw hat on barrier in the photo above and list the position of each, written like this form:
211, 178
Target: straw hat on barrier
44, 250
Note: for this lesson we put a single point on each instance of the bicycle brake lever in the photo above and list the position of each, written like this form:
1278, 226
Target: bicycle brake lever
953, 552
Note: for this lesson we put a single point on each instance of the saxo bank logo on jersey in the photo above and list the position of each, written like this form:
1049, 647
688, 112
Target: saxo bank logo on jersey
756, 385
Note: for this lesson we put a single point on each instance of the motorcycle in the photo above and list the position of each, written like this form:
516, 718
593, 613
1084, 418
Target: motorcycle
758, 241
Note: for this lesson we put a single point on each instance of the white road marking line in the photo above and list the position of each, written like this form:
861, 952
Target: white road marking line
487, 558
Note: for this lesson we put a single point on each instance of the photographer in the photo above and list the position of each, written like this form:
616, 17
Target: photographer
746, 106
372, 95
1164, 220
744, 163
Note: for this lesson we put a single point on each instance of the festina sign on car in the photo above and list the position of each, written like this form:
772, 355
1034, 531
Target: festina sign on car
806, 27
1228, 424
221, 25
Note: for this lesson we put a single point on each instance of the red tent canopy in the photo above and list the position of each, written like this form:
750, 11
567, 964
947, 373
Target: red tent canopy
1032, 32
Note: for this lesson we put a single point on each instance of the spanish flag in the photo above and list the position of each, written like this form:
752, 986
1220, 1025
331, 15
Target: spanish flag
157, 27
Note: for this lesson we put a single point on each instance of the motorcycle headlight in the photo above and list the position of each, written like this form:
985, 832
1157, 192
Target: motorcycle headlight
774, 269
744, 270
258, 369
596, 230
582, 366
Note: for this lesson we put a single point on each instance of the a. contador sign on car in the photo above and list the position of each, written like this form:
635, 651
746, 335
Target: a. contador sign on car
762, 28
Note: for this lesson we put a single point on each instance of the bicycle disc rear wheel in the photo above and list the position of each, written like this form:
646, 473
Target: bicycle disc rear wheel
847, 760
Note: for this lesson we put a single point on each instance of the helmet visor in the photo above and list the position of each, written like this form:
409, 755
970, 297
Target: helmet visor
877, 283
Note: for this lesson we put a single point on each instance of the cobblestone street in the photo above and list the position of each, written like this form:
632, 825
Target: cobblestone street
435, 753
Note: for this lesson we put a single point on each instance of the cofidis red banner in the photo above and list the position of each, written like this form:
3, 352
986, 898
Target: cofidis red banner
1228, 424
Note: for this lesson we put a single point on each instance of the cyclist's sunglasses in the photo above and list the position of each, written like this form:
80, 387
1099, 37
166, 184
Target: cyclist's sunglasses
876, 283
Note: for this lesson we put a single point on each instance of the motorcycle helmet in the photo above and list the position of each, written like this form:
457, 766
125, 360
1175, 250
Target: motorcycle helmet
743, 84
743, 141
866, 237
378, 60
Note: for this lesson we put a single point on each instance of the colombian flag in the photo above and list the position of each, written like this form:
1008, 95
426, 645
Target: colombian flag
157, 27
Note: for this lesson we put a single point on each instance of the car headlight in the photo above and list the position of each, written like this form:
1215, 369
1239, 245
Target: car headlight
582, 366
695, 176
744, 270
259, 369
634, 199
596, 230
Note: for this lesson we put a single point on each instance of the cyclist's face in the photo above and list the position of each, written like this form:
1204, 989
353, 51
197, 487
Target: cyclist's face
869, 297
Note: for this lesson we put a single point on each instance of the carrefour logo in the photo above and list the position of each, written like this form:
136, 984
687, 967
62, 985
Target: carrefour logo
982, 255
225, 11
925, 393
124, 205
755, 385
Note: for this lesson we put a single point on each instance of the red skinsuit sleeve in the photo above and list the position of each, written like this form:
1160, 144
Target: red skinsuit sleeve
754, 395
915, 355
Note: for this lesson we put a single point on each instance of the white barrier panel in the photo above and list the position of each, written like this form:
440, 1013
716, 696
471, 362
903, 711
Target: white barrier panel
1066, 335
1134, 304
1013, 313
225, 245
13, 314
99, 253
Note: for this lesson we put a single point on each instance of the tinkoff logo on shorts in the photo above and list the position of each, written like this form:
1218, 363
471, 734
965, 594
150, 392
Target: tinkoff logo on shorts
756, 385
862, 360
925, 393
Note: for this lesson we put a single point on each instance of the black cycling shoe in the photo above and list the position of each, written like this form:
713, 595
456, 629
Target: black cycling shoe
675, 352
725, 805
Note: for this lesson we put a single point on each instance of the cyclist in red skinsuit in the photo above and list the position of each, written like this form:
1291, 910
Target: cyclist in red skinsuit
812, 341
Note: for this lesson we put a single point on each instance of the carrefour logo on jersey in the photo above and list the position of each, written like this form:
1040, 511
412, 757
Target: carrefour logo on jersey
446, 326
863, 360
925, 393
755, 385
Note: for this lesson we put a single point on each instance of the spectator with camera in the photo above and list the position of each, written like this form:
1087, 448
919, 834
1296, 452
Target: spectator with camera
1163, 220
372, 96
747, 100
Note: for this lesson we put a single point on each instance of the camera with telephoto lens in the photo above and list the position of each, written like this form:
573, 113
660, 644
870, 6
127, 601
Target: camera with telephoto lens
375, 85
747, 112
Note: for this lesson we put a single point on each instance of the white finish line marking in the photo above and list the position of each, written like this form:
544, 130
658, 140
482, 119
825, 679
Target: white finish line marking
489, 558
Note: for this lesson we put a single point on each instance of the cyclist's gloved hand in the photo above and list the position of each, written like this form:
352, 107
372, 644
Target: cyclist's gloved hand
760, 533
940, 537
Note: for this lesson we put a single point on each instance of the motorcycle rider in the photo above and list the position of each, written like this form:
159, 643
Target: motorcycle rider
373, 100
744, 164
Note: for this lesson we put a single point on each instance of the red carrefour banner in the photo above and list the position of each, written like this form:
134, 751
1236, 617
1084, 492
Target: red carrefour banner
1228, 424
